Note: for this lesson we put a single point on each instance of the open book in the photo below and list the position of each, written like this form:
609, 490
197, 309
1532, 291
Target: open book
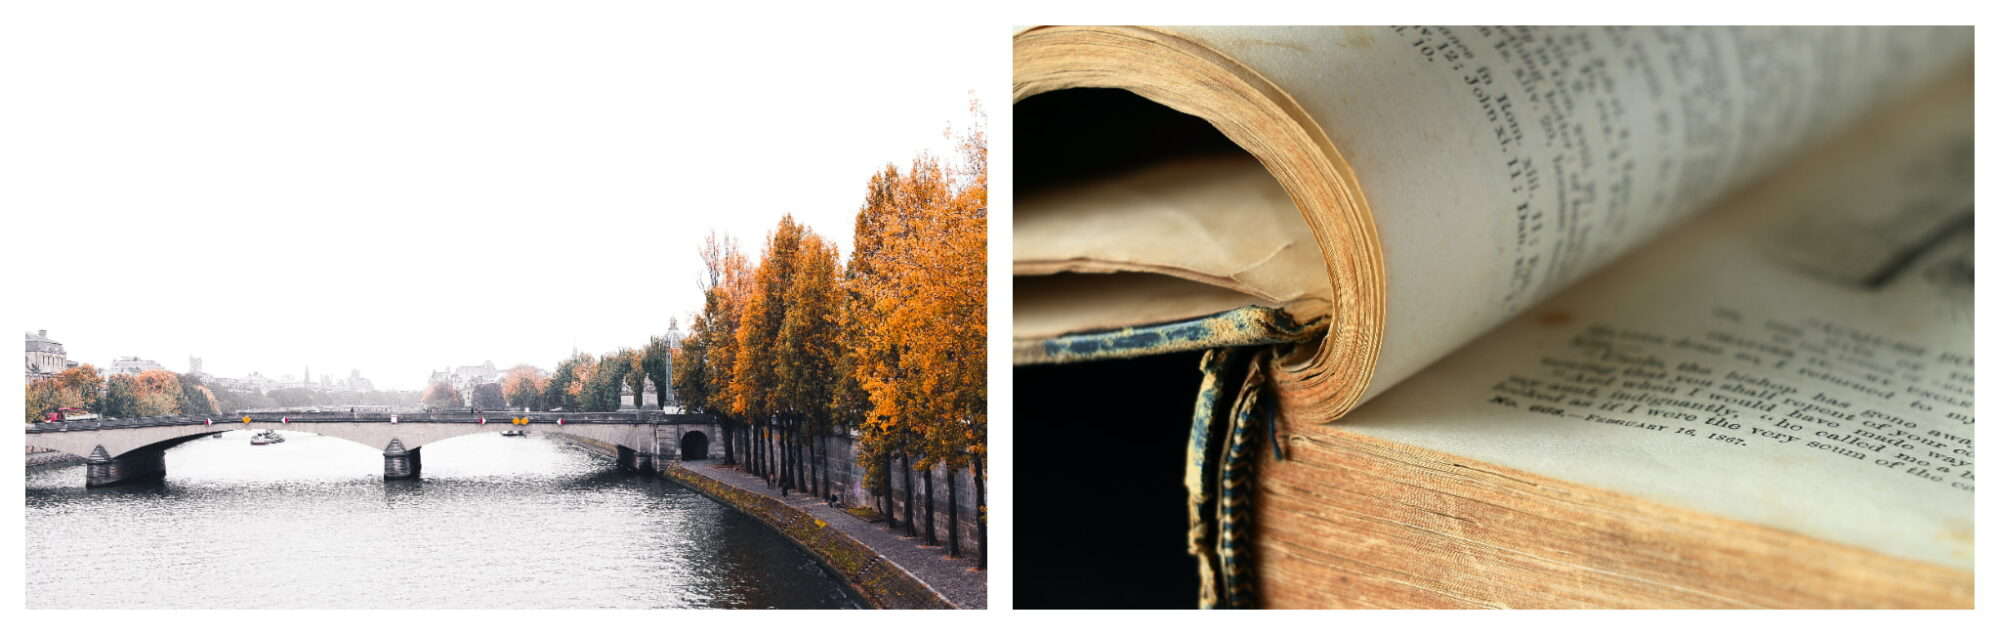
1562, 317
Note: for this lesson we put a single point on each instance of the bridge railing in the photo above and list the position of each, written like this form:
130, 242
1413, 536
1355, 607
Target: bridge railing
102, 423
463, 416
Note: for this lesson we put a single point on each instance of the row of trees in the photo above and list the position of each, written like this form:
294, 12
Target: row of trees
295, 397
585, 382
889, 347
159, 392
147, 394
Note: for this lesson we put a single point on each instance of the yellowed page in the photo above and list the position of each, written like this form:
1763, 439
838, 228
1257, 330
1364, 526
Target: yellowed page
1218, 221
1726, 368
1503, 164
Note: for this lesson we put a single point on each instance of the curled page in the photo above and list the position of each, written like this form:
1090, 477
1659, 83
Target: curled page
1450, 177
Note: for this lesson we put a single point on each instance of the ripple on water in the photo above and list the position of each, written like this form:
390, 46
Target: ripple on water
495, 522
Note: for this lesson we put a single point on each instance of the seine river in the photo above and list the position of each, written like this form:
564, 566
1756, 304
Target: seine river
495, 522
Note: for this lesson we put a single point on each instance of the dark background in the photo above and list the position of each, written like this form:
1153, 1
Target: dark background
1098, 462
1100, 447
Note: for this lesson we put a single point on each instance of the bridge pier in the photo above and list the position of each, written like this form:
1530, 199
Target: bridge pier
400, 463
143, 464
636, 460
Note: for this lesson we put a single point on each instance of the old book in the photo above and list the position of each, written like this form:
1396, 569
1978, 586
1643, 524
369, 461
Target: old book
1546, 317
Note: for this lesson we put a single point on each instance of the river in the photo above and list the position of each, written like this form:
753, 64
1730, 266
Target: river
495, 522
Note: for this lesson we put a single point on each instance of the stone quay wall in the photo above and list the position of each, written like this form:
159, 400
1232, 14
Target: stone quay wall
879, 582
845, 476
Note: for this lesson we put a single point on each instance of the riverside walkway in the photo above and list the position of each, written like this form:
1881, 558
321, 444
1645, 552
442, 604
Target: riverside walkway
953, 578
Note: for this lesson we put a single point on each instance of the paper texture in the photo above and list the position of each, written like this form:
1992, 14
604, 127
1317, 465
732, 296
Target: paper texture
1219, 221
1718, 370
1503, 164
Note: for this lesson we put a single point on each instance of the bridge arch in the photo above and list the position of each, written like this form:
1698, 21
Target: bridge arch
132, 449
118, 455
694, 446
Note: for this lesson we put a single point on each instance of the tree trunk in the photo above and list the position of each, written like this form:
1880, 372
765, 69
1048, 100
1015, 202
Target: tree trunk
979, 487
930, 510
785, 480
812, 465
728, 444
909, 499
889, 488
951, 509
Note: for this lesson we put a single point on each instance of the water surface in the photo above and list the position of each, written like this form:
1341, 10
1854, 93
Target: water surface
495, 522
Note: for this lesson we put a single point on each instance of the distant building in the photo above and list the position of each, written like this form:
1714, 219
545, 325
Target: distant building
45, 356
228, 383
258, 382
465, 379
132, 365
356, 383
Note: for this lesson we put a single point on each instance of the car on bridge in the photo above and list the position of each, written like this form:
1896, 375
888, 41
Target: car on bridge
68, 414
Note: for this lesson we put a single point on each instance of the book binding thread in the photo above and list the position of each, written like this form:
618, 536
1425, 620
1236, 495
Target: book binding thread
1224, 474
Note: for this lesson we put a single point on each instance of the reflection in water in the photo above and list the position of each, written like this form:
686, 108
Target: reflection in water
495, 523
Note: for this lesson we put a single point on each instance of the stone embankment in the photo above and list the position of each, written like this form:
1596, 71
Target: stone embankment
52, 459
887, 569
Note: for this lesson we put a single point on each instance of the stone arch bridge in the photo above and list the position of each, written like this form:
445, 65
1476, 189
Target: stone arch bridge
121, 450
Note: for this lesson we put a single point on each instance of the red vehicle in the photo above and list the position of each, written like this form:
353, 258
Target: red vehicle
70, 414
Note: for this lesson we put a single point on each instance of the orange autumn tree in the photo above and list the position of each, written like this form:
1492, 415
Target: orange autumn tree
77, 387
523, 386
582, 373
799, 348
156, 393
808, 357
954, 278
755, 373
916, 324
872, 351
919, 285
703, 365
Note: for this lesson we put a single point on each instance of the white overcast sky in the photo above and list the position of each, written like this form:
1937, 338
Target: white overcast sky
400, 189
